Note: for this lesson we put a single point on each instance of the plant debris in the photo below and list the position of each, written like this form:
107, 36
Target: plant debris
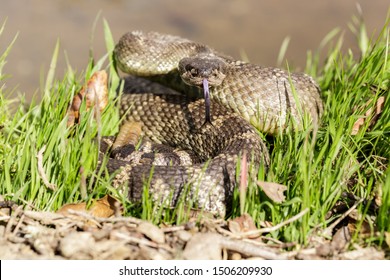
95, 92
102, 208
371, 115
26, 234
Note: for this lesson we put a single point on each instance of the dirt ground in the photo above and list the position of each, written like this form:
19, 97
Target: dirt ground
26, 234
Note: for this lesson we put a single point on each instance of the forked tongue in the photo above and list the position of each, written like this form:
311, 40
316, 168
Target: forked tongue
206, 92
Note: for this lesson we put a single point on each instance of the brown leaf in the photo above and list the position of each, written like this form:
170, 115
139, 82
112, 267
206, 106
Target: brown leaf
356, 126
96, 94
355, 218
102, 208
273, 190
241, 224
341, 238
323, 250
369, 115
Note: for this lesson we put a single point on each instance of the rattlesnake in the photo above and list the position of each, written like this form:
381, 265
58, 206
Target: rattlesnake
169, 105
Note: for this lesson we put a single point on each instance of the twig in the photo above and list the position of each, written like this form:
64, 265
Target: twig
278, 244
216, 243
248, 249
328, 230
103, 220
47, 218
131, 220
278, 226
15, 231
81, 214
140, 241
28, 204
41, 171
173, 228
10, 222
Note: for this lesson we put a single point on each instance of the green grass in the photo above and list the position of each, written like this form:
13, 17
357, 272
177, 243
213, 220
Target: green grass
318, 167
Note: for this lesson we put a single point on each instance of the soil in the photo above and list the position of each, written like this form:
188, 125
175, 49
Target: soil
26, 234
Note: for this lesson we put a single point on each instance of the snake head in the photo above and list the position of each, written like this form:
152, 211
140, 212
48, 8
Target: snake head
193, 70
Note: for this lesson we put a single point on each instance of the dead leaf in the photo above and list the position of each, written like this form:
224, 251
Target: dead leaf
323, 250
339, 242
96, 94
273, 190
102, 208
354, 218
341, 239
369, 115
242, 224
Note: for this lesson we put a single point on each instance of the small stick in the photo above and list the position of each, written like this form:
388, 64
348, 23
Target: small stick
15, 231
248, 249
278, 226
11, 221
141, 241
329, 229
84, 215
126, 220
173, 229
41, 170
46, 218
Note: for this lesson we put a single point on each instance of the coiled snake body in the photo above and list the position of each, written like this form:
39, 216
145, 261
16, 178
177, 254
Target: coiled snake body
245, 97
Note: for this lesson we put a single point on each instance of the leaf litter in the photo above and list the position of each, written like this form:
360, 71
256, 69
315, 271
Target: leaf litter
86, 234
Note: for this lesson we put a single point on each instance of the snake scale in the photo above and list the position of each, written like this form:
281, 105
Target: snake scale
164, 94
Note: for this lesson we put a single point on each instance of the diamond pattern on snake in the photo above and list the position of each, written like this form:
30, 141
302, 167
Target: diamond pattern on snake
165, 92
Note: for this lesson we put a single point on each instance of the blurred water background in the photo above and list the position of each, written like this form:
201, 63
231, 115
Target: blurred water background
255, 28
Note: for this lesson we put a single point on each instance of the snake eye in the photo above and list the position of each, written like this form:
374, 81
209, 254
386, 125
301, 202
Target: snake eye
187, 66
194, 72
